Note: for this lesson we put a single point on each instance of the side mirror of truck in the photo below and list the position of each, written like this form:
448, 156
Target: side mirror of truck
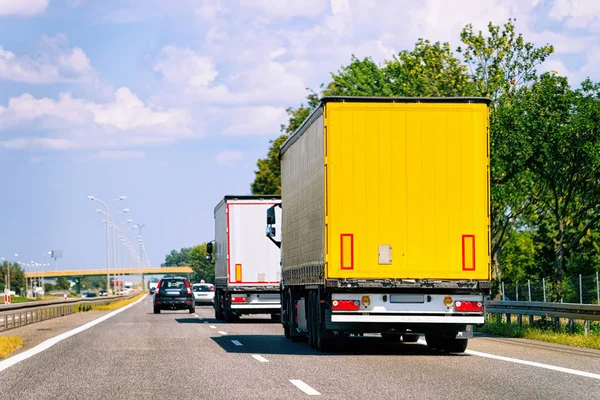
271, 231
271, 216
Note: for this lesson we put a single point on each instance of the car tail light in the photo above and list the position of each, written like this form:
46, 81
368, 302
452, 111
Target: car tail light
158, 285
212, 289
345, 305
238, 299
187, 285
468, 306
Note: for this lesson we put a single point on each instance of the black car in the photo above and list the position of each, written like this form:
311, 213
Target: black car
174, 294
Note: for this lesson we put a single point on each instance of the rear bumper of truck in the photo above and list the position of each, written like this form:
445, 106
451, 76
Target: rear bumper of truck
395, 308
407, 319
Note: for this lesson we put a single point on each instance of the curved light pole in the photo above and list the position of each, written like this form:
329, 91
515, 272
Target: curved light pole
107, 255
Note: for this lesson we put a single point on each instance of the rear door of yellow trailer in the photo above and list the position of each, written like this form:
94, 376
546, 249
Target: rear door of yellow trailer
407, 190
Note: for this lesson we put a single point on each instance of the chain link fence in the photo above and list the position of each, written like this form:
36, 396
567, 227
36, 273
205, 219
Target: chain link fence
580, 290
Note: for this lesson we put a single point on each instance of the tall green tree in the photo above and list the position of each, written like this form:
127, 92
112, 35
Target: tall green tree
17, 276
177, 258
562, 127
203, 268
267, 178
499, 63
62, 283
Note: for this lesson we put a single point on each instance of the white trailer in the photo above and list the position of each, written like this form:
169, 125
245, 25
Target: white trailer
247, 265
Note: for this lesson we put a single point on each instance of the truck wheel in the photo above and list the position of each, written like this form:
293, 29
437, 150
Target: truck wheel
410, 337
286, 331
452, 345
390, 337
434, 341
156, 310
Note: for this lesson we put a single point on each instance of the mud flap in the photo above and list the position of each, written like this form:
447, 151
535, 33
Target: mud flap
466, 334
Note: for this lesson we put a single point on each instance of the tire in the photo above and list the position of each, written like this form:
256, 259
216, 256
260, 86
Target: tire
390, 337
310, 325
434, 341
452, 345
156, 310
410, 338
192, 310
323, 340
286, 331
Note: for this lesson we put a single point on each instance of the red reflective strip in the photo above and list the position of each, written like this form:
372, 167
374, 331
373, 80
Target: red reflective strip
345, 305
468, 306
238, 299
468, 264
346, 240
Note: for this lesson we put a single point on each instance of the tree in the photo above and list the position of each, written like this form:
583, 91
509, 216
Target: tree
562, 127
429, 70
203, 268
501, 62
359, 78
268, 176
17, 276
177, 258
62, 284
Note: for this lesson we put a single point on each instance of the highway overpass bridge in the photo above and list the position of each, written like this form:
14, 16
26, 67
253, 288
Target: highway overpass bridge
78, 273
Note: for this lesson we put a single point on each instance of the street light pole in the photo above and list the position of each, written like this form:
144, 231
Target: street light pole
107, 254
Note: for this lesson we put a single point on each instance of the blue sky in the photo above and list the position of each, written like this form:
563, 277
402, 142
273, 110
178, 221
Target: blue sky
171, 102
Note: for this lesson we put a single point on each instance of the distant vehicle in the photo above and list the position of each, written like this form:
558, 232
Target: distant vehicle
89, 294
247, 265
152, 290
174, 294
204, 293
103, 292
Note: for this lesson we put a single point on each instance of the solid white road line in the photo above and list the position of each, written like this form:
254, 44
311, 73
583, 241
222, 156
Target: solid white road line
529, 363
237, 343
212, 327
259, 358
223, 333
9, 362
535, 364
304, 387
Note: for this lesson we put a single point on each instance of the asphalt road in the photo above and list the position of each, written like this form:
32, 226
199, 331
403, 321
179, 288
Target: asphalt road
139, 355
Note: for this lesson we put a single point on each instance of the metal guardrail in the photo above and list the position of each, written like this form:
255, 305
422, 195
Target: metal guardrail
588, 312
556, 311
20, 314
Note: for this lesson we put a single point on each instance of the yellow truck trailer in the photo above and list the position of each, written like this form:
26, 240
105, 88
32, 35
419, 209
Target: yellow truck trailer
385, 220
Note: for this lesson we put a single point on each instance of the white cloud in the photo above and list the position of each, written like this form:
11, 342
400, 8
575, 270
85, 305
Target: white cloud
286, 8
22, 8
578, 14
208, 9
120, 154
54, 62
75, 123
264, 120
186, 66
228, 157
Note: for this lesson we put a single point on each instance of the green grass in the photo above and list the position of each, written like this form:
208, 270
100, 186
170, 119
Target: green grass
116, 304
8, 344
541, 331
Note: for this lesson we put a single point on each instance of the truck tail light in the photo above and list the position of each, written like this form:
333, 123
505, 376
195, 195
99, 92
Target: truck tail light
468, 306
345, 305
238, 299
